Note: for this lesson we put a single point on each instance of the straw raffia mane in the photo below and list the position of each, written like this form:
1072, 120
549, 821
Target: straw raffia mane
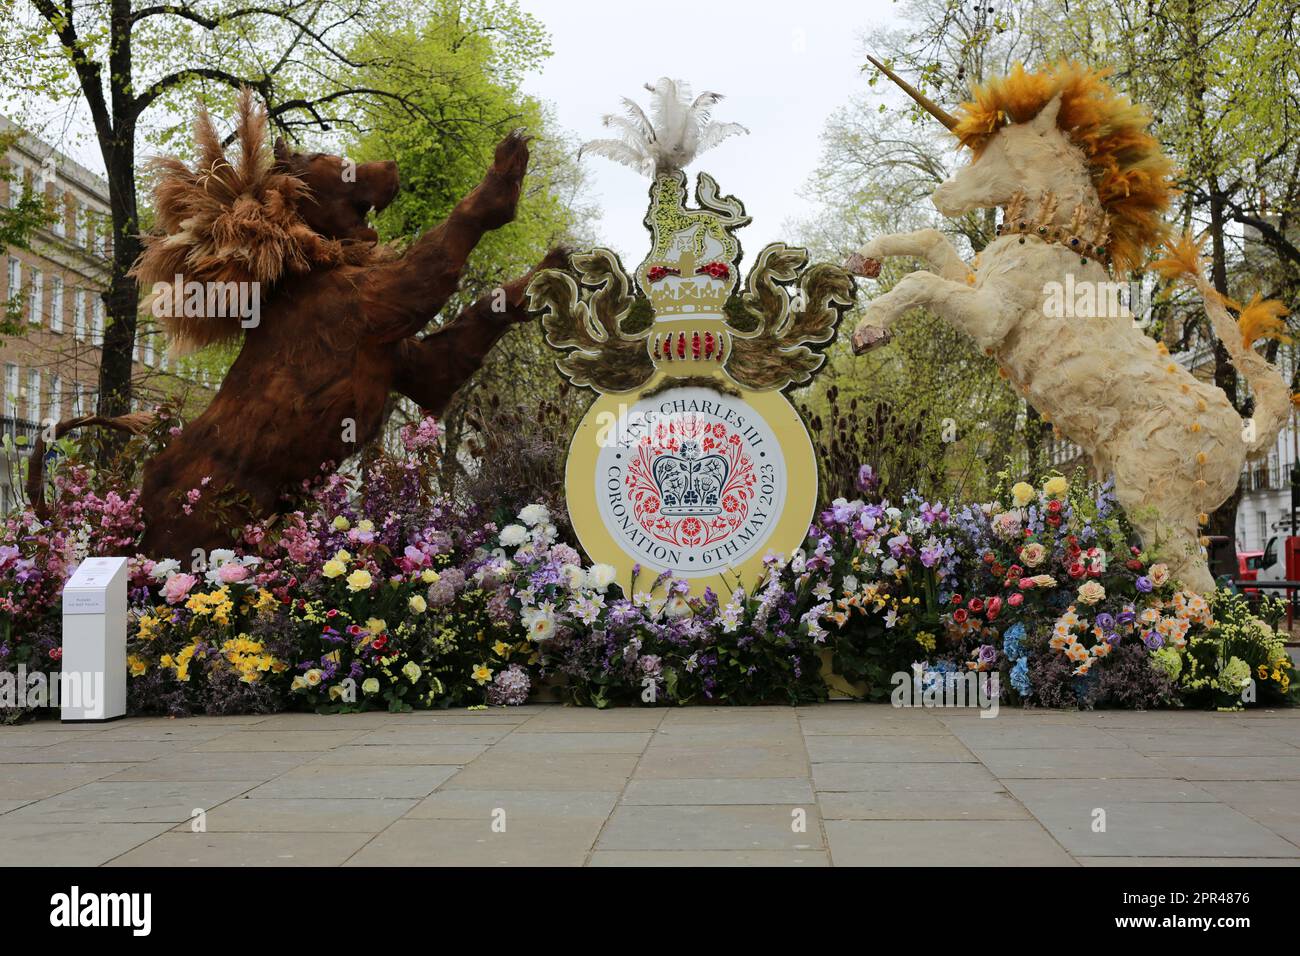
1128, 168
230, 220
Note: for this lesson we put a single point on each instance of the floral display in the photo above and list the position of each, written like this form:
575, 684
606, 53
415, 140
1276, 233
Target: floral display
377, 592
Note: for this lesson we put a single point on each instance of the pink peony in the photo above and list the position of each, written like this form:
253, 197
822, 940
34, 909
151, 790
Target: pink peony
177, 586
231, 573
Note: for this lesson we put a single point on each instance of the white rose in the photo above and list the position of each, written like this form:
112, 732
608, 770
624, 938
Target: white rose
513, 535
165, 569
574, 576
220, 556
601, 576
534, 514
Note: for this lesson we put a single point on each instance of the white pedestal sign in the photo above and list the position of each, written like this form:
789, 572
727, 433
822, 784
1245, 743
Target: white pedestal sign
93, 684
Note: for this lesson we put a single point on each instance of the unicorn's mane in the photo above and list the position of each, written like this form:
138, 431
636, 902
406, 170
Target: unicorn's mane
1128, 168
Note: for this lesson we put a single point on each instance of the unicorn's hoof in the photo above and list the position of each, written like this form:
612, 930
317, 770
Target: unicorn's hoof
868, 337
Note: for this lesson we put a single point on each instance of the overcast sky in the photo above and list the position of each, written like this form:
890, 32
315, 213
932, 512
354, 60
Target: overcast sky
783, 66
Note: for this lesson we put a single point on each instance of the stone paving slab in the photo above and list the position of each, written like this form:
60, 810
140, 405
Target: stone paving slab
243, 849
780, 858
943, 843
777, 827
834, 784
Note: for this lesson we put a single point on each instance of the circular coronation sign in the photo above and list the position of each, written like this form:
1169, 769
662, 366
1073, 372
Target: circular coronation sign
691, 480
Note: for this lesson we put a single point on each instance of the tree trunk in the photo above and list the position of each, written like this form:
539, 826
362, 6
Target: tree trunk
122, 299
1224, 520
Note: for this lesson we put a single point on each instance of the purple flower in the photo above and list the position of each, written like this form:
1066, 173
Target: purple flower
987, 654
1106, 622
1143, 584
1152, 640
1127, 616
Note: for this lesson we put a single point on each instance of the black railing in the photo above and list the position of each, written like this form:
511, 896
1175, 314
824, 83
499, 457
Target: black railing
15, 428
1291, 587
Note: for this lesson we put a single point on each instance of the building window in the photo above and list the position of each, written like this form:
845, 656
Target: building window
60, 225
56, 398
15, 184
37, 300
34, 394
56, 303
78, 401
148, 349
80, 216
15, 281
1262, 518
11, 390
79, 314
97, 323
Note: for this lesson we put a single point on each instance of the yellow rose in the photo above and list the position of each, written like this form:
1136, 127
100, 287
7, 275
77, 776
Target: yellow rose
370, 685
429, 576
343, 556
1056, 487
1022, 493
412, 671
359, 580
341, 523
376, 625
312, 677
365, 524
417, 604
332, 569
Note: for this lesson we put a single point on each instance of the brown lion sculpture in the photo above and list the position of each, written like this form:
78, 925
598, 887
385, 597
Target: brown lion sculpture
340, 317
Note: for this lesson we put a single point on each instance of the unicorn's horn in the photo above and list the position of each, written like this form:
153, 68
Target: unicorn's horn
927, 104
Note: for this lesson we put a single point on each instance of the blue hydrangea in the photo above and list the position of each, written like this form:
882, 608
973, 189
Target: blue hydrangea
1011, 645
1020, 677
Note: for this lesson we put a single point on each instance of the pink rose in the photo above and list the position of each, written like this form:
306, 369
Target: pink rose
1015, 599
177, 586
231, 573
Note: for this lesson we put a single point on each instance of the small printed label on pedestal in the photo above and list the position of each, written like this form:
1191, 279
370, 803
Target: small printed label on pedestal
85, 602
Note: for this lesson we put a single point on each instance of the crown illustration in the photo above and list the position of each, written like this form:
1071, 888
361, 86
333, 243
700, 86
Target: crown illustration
689, 484
692, 266
770, 334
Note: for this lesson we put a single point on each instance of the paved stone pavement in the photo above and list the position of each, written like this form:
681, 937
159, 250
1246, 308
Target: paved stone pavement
840, 783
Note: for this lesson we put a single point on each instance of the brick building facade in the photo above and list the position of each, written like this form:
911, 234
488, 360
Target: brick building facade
50, 369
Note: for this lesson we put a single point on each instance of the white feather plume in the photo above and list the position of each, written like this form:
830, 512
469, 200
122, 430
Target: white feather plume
677, 130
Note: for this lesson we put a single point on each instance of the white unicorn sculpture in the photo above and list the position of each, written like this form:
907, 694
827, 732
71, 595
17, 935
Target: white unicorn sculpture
1083, 186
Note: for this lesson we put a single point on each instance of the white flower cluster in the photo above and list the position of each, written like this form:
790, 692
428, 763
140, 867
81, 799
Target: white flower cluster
534, 539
